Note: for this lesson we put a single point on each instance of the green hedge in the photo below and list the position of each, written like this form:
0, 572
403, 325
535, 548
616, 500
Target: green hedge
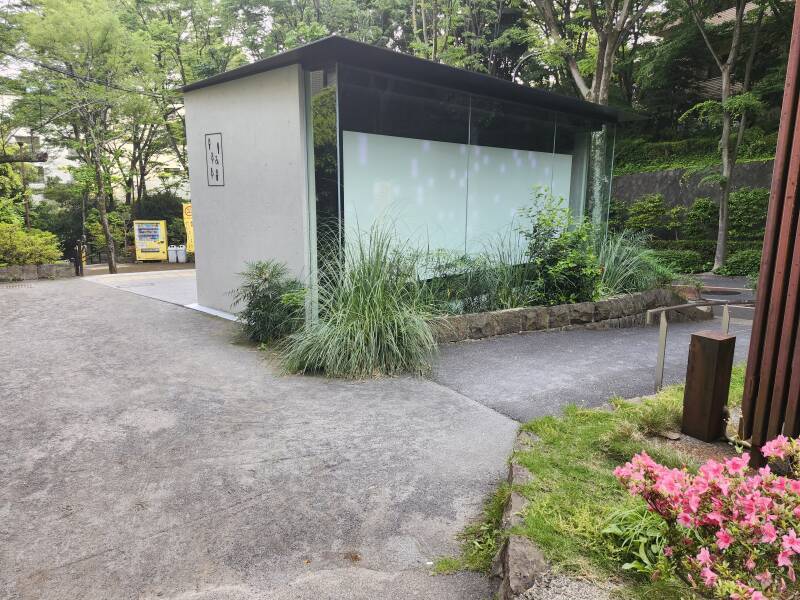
683, 261
743, 263
19, 246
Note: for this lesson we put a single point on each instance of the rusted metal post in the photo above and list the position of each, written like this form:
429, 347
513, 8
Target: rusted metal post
708, 380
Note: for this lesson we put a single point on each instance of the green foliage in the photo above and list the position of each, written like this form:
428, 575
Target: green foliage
682, 261
481, 540
11, 192
552, 260
27, 247
119, 222
577, 513
637, 538
561, 254
647, 214
748, 213
629, 265
163, 205
373, 316
743, 263
639, 155
701, 220
269, 300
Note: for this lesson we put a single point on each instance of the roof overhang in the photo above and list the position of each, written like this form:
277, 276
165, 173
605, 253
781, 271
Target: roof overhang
335, 49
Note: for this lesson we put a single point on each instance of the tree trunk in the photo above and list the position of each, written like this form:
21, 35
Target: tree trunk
99, 181
727, 171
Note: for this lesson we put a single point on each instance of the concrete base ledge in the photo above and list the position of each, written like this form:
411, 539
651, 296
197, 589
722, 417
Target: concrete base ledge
628, 310
29, 272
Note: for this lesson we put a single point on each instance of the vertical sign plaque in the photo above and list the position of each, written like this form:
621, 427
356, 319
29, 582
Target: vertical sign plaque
215, 170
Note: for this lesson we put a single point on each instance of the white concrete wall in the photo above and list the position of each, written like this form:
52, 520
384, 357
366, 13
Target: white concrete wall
261, 211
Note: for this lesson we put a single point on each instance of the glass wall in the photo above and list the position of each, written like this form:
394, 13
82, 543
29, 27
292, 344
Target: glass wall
449, 170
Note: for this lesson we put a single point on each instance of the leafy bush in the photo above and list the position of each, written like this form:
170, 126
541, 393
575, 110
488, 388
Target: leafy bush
562, 260
648, 214
744, 263
269, 299
628, 265
373, 316
550, 261
682, 261
701, 220
729, 534
27, 247
748, 213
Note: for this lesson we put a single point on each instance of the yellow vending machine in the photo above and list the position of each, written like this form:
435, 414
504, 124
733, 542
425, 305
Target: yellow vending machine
150, 238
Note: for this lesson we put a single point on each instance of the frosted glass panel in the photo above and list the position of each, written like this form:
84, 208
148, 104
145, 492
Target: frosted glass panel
441, 195
419, 186
502, 181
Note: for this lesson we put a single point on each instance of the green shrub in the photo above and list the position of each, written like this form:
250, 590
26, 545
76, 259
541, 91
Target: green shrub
628, 265
682, 261
648, 215
701, 220
617, 215
373, 316
748, 213
562, 265
744, 263
27, 247
268, 296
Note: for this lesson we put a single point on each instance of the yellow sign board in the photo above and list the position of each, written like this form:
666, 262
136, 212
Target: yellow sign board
150, 238
187, 223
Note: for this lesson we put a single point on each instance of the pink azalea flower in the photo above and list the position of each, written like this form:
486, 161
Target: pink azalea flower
709, 577
704, 557
737, 464
724, 539
667, 550
775, 448
791, 543
756, 595
768, 533
765, 578
685, 519
784, 559
711, 469
750, 564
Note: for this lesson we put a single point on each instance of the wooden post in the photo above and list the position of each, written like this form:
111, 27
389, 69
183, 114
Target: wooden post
662, 350
708, 380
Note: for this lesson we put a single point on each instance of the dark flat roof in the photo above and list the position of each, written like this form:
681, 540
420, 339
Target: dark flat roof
389, 62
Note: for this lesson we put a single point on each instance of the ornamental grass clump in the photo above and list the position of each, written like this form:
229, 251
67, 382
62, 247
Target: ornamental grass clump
373, 316
730, 533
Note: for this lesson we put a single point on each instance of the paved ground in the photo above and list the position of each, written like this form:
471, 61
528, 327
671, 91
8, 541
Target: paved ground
177, 286
529, 375
146, 455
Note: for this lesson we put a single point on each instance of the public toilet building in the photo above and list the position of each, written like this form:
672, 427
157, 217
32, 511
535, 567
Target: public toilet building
326, 140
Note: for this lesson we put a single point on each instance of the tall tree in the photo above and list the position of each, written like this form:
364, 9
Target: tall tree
588, 34
88, 63
731, 110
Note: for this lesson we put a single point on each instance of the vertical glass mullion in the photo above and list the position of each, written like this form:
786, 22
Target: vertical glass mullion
312, 298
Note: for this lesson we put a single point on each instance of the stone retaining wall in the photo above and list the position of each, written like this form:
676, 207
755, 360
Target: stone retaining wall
27, 272
619, 312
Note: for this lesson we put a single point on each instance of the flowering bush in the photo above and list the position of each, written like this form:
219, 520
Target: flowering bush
730, 533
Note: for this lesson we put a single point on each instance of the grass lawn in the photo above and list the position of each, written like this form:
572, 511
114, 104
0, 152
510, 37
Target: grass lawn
574, 492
